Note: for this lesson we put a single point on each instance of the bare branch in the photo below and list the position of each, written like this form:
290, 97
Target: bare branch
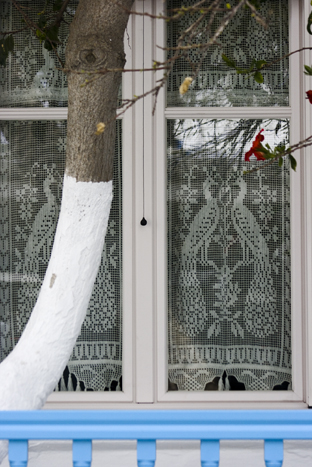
60, 14
5, 33
257, 16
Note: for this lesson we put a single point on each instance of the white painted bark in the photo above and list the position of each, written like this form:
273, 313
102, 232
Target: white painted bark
31, 371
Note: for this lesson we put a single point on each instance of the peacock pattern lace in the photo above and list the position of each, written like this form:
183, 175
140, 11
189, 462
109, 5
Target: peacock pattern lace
32, 168
228, 256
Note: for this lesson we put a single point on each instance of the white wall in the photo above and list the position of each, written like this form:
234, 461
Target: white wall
169, 454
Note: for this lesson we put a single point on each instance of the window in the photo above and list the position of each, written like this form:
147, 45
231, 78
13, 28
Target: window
33, 143
229, 233
212, 303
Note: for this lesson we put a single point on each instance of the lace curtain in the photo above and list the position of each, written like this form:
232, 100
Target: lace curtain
243, 40
229, 312
229, 258
31, 77
32, 168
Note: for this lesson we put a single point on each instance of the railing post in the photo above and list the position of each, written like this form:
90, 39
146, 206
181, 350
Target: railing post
146, 453
209, 453
273, 453
82, 453
18, 452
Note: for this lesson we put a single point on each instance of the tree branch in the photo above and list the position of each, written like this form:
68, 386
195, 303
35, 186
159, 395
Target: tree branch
302, 144
60, 14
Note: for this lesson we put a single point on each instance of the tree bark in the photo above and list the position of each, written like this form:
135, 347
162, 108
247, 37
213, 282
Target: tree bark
31, 371
95, 42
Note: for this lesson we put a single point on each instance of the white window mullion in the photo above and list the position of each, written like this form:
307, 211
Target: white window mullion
296, 203
127, 227
144, 235
34, 113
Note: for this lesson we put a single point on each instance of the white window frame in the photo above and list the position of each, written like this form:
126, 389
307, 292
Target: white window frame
155, 198
144, 248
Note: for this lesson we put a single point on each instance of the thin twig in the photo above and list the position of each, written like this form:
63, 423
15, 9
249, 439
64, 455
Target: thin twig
60, 14
258, 17
6, 33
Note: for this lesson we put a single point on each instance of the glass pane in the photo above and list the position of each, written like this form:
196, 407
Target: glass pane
243, 40
31, 77
228, 258
32, 168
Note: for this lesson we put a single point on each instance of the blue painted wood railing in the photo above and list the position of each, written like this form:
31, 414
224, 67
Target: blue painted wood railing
146, 426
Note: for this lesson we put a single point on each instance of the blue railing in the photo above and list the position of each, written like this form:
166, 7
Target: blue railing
147, 426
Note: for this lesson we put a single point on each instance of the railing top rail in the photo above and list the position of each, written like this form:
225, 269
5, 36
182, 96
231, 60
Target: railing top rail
156, 424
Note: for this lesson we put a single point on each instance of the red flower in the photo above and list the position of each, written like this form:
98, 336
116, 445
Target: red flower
257, 148
309, 96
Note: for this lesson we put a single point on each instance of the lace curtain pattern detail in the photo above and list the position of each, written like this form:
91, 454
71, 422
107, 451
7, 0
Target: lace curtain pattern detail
31, 77
228, 256
32, 168
243, 40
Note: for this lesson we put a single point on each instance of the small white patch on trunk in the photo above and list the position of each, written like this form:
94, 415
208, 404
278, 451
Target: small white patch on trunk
52, 280
30, 373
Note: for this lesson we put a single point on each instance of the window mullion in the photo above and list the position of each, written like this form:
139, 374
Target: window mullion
143, 187
34, 113
297, 195
160, 162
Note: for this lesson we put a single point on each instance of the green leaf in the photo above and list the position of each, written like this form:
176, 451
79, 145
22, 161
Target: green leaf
57, 5
3, 53
258, 77
9, 43
256, 3
308, 70
280, 162
280, 149
52, 33
47, 45
51, 38
228, 61
293, 162
260, 63
41, 35
42, 22
309, 24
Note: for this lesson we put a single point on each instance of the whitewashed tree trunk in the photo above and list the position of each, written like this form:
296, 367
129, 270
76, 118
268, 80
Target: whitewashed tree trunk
30, 373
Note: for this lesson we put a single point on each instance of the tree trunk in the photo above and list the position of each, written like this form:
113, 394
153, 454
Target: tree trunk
95, 41
30, 373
